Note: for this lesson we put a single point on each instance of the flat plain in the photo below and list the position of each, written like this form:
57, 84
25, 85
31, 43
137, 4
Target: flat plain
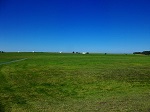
53, 82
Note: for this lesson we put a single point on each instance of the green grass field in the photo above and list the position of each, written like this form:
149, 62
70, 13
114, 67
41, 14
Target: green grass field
47, 82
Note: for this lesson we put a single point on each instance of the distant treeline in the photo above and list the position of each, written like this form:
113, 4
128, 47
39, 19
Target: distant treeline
1, 51
144, 52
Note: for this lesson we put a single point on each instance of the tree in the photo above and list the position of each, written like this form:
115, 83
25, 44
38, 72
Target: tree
146, 52
137, 53
1, 51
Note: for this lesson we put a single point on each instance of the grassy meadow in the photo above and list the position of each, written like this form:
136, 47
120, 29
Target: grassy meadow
51, 82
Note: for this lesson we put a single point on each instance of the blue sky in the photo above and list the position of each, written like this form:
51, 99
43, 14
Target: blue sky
112, 26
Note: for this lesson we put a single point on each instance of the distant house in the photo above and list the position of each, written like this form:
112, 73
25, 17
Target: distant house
85, 52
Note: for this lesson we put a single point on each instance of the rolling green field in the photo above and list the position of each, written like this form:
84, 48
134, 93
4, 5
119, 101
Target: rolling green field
48, 82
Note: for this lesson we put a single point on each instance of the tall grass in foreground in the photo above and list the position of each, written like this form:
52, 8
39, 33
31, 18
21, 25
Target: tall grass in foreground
75, 82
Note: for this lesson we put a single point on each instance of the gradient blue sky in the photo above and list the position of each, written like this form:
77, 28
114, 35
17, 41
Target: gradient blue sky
112, 26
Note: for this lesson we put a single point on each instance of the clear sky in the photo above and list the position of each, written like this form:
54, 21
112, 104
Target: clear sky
112, 26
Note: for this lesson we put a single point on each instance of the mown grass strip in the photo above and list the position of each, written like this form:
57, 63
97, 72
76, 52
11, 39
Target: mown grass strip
13, 61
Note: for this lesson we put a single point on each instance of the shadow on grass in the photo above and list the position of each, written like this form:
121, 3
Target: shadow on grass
2, 107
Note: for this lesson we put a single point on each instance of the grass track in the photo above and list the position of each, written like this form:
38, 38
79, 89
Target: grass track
75, 82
